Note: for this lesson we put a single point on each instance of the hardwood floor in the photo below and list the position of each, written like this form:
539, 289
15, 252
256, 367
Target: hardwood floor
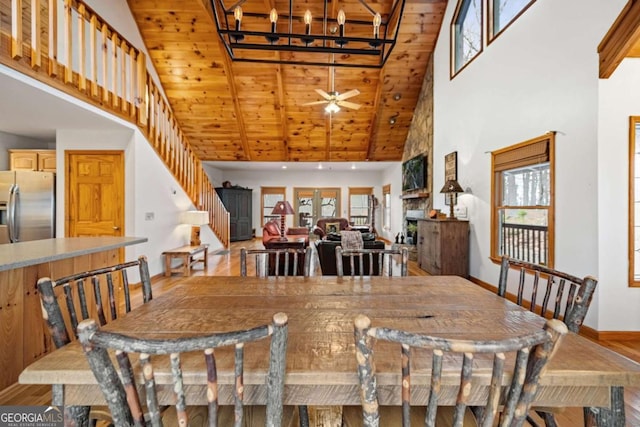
227, 263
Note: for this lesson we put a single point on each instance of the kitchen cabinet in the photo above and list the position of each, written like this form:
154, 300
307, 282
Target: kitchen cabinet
238, 201
443, 246
32, 160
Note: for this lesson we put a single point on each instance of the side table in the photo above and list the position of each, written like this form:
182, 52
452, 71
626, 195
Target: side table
188, 256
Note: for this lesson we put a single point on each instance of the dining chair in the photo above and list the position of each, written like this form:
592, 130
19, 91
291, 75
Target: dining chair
370, 262
277, 262
81, 303
516, 362
120, 388
551, 294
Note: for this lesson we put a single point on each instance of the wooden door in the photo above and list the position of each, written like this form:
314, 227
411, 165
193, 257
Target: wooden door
95, 193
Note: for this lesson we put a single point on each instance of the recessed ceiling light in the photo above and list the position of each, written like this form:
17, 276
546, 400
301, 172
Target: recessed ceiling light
284, 166
392, 120
353, 166
320, 166
397, 96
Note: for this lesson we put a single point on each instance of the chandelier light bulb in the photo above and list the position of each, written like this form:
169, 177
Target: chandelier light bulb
273, 17
237, 14
377, 20
307, 21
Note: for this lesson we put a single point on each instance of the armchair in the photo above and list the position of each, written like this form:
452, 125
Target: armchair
334, 225
271, 231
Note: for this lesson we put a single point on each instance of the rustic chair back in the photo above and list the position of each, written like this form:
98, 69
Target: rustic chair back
80, 303
511, 403
372, 261
273, 262
277, 262
564, 296
120, 390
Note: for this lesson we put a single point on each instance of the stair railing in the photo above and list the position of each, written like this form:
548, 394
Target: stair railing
91, 61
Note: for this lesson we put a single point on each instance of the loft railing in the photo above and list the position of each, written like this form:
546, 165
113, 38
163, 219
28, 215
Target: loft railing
525, 242
66, 45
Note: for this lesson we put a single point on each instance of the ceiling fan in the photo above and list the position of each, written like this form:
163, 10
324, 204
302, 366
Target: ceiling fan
333, 99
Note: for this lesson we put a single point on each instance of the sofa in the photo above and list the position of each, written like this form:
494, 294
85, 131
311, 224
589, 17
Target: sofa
327, 256
271, 231
327, 225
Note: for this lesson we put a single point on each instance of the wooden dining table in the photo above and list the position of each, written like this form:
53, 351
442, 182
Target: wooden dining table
320, 363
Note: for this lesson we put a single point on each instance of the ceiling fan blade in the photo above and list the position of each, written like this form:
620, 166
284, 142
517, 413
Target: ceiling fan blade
315, 103
348, 104
348, 94
323, 94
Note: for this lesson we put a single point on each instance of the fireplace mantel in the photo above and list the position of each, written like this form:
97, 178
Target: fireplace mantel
421, 195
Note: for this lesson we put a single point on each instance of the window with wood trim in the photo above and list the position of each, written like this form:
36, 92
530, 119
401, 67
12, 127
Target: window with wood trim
503, 12
634, 201
359, 199
269, 196
469, 25
523, 203
466, 33
386, 207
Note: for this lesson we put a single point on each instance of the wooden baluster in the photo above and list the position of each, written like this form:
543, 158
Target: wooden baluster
68, 43
104, 34
115, 97
82, 47
93, 55
141, 83
36, 41
53, 38
16, 29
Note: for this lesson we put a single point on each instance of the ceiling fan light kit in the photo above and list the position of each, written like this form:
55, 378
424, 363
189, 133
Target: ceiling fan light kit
361, 36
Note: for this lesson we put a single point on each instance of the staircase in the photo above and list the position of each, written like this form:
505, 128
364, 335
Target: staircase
92, 62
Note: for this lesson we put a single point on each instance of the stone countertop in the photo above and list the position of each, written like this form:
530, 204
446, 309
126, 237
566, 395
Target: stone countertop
24, 254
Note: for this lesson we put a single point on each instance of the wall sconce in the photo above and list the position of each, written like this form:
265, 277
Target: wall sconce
451, 187
282, 208
195, 219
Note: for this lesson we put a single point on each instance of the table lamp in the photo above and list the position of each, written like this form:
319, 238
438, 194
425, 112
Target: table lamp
282, 208
451, 187
195, 219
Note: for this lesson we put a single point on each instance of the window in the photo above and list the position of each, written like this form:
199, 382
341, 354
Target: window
634, 202
359, 198
504, 12
468, 25
386, 207
522, 194
466, 33
270, 196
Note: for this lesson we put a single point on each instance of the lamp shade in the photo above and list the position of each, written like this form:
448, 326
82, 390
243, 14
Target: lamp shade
451, 186
282, 208
195, 217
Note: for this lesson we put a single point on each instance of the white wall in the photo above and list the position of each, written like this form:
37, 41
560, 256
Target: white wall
540, 75
618, 100
9, 141
317, 178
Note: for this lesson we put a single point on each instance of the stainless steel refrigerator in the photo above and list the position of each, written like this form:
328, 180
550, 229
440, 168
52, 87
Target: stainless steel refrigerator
27, 206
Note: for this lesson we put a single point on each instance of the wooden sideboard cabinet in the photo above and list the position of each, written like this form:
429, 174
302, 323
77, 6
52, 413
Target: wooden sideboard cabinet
238, 202
443, 246
32, 160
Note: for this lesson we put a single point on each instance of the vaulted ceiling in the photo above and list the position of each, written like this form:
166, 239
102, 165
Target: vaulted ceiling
252, 111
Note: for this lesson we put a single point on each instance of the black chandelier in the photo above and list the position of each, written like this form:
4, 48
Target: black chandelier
353, 38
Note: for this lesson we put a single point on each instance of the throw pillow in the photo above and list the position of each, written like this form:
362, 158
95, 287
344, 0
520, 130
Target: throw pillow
332, 227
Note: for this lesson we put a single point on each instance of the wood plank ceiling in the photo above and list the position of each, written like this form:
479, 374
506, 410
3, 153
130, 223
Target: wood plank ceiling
251, 111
